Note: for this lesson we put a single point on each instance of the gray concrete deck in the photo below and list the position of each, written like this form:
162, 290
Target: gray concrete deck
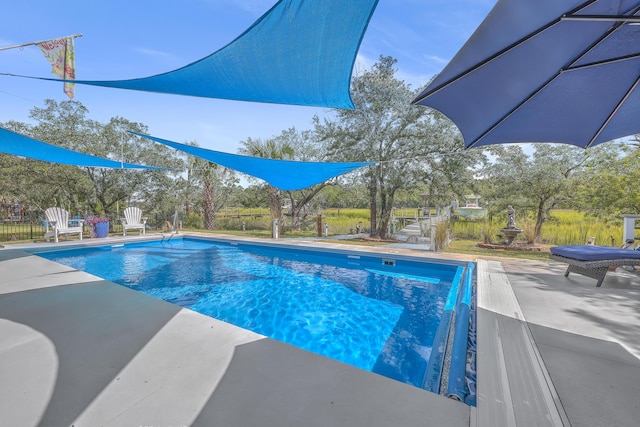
78, 350
588, 337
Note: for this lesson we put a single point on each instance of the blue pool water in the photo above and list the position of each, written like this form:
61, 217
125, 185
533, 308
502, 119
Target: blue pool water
360, 310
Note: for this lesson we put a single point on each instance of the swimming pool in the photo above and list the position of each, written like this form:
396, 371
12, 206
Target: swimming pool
385, 315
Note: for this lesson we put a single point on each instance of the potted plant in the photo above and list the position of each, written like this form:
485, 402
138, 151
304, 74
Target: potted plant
98, 226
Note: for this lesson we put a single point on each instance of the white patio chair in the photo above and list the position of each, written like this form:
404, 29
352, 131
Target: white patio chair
57, 223
133, 220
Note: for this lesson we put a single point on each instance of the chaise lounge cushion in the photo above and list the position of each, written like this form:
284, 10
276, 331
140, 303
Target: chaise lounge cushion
593, 261
594, 253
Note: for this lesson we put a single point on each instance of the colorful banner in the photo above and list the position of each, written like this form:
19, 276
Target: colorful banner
60, 54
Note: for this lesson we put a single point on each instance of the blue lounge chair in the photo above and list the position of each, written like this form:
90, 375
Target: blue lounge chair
593, 261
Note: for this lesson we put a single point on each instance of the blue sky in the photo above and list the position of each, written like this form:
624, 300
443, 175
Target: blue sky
131, 39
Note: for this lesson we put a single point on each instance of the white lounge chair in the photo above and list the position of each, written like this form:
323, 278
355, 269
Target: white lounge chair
133, 220
57, 223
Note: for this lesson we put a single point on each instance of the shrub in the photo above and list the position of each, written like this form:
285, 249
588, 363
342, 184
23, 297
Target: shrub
441, 238
529, 231
193, 220
489, 232
469, 230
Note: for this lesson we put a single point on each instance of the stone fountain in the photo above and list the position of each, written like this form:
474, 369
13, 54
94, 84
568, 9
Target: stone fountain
510, 231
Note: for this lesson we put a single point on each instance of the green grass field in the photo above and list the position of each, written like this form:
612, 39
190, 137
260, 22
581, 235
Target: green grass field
563, 227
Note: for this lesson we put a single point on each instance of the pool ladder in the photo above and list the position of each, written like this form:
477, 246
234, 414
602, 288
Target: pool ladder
174, 227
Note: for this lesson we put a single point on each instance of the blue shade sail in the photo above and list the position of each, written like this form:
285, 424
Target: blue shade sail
282, 174
562, 71
20, 145
301, 52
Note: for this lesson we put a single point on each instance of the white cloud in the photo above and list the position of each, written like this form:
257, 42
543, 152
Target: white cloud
254, 7
153, 53
415, 79
362, 63
436, 59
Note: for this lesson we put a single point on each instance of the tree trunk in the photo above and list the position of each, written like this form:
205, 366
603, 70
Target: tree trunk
540, 219
385, 217
209, 211
187, 203
295, 212
298, 207
103, 202
373, 207
275, 202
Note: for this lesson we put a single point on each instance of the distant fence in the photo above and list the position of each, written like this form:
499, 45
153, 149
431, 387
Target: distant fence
243, 212
18, 228
12, 229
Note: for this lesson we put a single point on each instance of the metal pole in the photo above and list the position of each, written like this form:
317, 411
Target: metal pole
175, 221
605, 18
121, 167
122, 151
35, 43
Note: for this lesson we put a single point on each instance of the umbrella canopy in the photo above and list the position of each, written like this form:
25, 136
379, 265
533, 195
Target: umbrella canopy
545, 71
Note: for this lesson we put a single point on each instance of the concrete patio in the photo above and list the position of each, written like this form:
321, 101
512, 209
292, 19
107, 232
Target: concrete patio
78, 350
589, 338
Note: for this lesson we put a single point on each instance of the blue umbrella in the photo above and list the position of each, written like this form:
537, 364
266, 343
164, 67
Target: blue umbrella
562, 71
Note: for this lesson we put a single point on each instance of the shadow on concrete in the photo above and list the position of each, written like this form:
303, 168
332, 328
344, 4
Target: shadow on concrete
575, 304
8, 253
598, 381
588, 338
269, 383
95, 331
